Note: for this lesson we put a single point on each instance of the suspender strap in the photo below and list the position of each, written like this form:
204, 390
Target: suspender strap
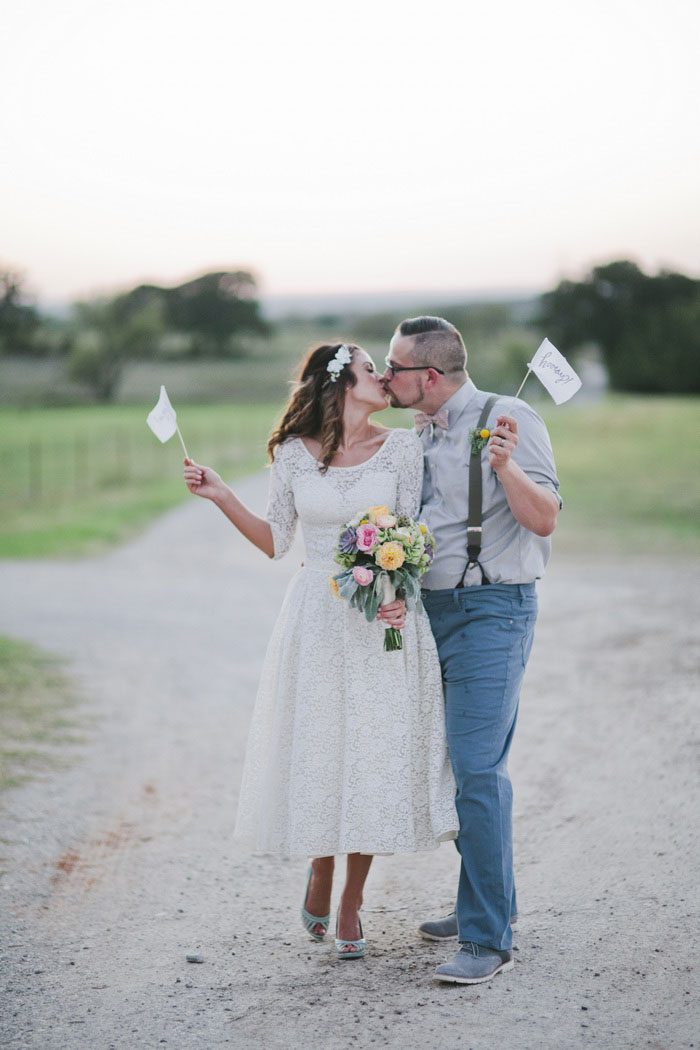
475, 499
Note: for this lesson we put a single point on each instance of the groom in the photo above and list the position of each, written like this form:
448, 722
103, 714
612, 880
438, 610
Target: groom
482, 607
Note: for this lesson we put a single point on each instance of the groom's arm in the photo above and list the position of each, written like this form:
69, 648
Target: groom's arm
533, 505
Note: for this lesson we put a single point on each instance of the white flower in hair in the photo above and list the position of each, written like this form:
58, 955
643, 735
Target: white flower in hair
336, 365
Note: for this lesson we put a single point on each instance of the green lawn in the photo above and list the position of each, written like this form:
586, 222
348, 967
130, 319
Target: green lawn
75, 480
629, 472
37, 712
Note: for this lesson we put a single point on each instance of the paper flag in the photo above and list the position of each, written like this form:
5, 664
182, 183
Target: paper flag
162, 419
554, 372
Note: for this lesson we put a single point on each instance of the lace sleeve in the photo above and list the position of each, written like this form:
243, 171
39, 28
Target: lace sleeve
281, 513
410, 481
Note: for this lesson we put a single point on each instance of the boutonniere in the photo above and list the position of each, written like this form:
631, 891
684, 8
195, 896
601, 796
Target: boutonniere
478, 439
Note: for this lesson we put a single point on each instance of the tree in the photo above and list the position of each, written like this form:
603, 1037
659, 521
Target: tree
18, 318
647, 327
213, 310
108, 335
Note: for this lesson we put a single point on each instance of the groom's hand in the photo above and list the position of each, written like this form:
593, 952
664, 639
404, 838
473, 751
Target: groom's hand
393, 614
502, 442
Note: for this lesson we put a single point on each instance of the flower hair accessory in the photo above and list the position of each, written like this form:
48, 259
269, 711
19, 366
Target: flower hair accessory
336, 365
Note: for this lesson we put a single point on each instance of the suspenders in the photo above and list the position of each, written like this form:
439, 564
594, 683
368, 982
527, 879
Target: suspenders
475, 509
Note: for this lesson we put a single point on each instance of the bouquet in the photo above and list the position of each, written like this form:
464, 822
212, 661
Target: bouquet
383, 557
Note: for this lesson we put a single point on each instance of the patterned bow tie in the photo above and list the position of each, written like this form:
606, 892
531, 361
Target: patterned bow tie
440, 419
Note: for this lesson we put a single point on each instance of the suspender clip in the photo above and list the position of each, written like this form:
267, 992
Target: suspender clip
475, 507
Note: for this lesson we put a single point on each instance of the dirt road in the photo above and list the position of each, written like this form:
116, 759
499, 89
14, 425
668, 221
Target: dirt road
122, 865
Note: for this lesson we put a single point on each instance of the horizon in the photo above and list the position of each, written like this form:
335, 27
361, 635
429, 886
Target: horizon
308, 302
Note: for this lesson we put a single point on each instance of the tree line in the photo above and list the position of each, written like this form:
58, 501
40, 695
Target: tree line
646, 327
201, 318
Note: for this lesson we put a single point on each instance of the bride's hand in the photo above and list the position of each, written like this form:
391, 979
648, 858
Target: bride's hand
202, 481
393, 614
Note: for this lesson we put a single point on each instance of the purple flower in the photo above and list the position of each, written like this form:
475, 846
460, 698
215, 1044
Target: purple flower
347, 544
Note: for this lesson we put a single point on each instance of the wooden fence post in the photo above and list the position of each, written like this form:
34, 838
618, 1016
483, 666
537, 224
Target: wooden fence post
35, 471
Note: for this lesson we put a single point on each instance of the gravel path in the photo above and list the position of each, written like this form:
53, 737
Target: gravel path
120, 866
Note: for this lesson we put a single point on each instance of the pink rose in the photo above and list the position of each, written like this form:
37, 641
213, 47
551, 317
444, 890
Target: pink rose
386, 521
362, 575
366, 537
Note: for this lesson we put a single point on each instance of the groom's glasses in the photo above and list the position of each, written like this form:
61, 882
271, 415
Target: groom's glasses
394, 369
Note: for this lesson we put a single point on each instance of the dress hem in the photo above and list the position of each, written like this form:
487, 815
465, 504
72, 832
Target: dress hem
445, 836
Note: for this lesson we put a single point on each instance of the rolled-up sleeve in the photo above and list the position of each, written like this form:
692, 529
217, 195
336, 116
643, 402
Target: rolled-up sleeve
281, 513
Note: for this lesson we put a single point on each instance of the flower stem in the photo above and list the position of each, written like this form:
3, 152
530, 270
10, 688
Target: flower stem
392, 640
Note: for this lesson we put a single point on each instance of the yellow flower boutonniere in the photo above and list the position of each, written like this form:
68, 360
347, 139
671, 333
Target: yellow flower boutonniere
478, 439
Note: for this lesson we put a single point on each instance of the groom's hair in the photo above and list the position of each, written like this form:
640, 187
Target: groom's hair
435, 342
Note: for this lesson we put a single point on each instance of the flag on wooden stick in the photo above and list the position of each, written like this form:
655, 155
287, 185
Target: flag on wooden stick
554, 373
163, 421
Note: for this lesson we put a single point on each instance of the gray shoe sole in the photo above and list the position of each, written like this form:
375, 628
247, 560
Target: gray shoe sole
450, 979
436, 937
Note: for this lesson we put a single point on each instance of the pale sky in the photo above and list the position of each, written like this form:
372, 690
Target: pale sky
340, 147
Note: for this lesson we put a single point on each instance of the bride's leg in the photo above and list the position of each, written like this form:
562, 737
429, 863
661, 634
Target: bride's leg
351, 899
318, 899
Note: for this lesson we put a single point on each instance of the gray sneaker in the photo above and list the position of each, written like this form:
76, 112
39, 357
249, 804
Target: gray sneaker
446, 929
440, 929
474, 965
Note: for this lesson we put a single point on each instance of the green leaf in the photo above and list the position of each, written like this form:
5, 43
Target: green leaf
373, 593
347, 584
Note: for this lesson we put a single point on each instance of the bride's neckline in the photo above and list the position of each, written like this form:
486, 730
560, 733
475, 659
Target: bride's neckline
354, 466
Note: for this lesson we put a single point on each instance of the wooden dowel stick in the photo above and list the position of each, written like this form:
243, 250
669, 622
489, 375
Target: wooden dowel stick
187, 456
515, 396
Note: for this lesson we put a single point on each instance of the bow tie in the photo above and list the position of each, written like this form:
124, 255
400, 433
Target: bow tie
440, 419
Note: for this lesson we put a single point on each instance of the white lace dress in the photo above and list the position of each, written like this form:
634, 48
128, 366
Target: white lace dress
347, 749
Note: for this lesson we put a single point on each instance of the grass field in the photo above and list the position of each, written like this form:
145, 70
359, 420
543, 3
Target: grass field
37, 712
628, 468
262, 374
76, 480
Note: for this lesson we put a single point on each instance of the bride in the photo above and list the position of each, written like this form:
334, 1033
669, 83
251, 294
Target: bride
346, 752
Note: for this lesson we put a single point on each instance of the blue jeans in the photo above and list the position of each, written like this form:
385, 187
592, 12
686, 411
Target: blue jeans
484, 637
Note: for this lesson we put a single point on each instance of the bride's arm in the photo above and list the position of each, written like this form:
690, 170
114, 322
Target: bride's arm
205, 482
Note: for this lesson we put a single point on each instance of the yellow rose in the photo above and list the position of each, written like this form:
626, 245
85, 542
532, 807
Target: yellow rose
390, 556
333, 584
375, 512
484, 433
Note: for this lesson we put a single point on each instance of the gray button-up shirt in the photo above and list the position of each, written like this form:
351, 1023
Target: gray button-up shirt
510, 553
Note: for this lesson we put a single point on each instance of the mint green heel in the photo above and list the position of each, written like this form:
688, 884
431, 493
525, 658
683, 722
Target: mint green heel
357, 946
310, 920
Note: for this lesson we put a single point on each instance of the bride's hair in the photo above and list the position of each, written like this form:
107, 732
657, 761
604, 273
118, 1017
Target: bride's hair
315, 408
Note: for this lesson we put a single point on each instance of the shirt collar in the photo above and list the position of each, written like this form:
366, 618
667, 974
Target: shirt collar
457, 402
